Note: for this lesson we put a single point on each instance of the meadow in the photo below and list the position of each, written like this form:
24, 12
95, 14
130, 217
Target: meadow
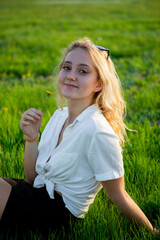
33, 35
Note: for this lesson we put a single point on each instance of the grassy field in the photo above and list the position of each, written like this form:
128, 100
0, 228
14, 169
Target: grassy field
32, 37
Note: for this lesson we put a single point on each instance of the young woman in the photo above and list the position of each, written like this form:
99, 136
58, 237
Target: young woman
79, 151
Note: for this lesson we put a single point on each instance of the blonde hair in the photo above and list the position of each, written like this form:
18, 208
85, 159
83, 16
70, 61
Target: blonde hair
109, 99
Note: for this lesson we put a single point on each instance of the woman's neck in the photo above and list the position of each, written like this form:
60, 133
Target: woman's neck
75, 107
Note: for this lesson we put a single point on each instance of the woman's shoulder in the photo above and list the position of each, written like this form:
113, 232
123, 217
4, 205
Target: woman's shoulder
97, 123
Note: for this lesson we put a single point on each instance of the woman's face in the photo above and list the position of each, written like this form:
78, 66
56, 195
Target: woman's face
78, 76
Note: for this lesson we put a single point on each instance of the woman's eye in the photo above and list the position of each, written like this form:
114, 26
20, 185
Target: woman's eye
65, 67
83, 71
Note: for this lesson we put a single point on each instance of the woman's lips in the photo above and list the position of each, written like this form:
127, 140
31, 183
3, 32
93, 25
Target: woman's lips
70, 86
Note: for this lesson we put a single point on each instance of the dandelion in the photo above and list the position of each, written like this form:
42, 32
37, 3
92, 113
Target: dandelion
143, 73
50, 77
23, 76
28, 75
5, 109
141, 39
48, 93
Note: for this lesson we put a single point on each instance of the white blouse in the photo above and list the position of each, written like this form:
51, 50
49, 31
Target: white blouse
88, 153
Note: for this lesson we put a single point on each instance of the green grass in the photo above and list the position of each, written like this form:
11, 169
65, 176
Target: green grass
32, 37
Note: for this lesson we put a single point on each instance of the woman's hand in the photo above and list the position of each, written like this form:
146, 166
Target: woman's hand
156, 232
31, 123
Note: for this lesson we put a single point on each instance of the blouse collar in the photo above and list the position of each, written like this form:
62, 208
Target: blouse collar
83, 114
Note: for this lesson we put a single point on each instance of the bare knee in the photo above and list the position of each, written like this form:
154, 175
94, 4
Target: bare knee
5, 189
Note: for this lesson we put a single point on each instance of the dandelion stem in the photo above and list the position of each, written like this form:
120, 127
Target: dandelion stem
48, 93
44, 102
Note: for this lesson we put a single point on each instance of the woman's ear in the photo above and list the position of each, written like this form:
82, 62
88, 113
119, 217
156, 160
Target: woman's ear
99, 86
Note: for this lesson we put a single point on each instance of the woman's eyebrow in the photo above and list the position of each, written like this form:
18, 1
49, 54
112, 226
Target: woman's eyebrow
85, 65
68, 62
81, 64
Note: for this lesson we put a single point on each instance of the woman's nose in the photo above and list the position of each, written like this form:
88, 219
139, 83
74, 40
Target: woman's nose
71, 75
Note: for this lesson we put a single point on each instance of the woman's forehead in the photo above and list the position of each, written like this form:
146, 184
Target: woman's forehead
79, 56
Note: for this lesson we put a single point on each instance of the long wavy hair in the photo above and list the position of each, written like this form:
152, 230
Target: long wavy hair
109, 99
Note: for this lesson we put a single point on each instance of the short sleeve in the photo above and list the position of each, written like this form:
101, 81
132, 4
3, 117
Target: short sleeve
105, 156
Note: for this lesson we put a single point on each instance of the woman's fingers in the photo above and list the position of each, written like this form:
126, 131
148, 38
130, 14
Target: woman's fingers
31, 122
30, 118
39, 113
32, 115
25, 123
156, 231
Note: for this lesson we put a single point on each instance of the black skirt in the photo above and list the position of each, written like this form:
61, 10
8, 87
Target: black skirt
32, 208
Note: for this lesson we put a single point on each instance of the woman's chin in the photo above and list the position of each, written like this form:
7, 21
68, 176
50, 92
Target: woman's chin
68, 95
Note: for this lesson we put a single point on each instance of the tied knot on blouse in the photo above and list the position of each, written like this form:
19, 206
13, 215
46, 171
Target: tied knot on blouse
57, 170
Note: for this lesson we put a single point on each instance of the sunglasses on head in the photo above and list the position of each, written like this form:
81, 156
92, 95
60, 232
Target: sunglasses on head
103, 49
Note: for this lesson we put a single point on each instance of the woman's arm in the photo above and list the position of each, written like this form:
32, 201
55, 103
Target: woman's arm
30, 125
116, 192
30, 157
